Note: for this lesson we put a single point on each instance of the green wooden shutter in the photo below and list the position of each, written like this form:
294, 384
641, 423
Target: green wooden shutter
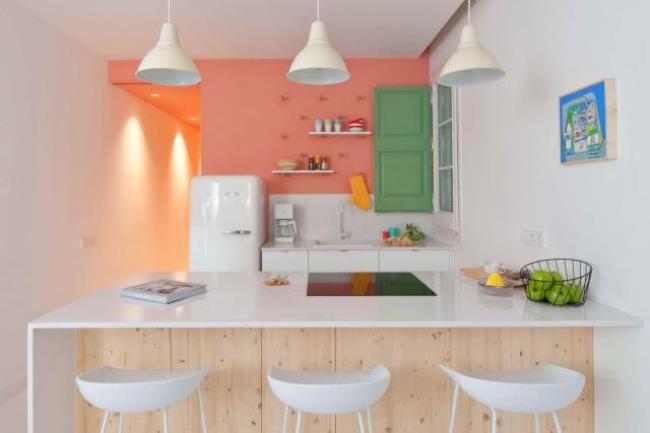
403, 160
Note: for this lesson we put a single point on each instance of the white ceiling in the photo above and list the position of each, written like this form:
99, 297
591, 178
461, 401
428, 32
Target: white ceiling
126, 29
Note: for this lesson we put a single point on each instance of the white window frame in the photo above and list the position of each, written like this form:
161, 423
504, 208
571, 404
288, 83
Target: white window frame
446, 223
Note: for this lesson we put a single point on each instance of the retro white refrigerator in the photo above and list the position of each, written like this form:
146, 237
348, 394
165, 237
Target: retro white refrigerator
227, 225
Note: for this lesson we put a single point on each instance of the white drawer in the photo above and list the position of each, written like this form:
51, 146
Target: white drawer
413, 260
343, 261
285, 261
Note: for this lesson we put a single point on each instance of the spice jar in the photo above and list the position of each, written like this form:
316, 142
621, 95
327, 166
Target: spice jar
317, 161
311, 165
323, 164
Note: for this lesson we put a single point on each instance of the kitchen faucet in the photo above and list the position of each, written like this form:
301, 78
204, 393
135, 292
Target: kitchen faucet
341, 209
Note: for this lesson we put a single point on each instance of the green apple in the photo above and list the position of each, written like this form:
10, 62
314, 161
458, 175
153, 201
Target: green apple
558, 294
556, 276
538, 283
575, 293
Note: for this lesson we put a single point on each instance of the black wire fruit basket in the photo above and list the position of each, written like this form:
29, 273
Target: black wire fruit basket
558, 281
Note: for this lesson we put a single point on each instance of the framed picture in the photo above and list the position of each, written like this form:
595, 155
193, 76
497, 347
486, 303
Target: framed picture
588, 129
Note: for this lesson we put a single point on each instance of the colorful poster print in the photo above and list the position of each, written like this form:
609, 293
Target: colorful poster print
588, 123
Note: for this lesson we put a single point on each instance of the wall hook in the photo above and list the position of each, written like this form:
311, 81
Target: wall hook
342, 155
284, 98
303, 117
322, 98
284, 136
361, 98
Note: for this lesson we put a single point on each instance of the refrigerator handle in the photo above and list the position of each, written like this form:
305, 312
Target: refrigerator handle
236, 232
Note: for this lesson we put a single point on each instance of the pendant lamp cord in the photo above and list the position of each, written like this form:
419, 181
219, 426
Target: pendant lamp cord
469, 12
317, 10
169, 11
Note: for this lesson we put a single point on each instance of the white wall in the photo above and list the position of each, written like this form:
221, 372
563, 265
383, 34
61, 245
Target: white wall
512, 179
79, 157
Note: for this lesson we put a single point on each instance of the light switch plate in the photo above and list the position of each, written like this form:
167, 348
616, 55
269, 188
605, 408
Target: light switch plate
535, 238
86, 242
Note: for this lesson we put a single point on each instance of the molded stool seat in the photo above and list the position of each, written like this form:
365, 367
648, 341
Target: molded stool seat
128, 391
531, 391
329, 393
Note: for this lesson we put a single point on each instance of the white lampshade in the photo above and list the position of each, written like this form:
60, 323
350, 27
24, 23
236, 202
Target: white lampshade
470, 63
167, 64
318, 62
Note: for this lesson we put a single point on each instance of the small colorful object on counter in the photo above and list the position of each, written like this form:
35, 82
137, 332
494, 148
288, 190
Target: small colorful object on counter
407, 238
385, 235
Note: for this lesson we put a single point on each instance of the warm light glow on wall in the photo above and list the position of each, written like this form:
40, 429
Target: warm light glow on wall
134, 148
179, 166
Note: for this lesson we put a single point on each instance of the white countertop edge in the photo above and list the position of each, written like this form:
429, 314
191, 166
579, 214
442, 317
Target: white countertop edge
631, 323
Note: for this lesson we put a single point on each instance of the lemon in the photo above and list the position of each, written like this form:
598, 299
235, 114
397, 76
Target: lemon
495, 280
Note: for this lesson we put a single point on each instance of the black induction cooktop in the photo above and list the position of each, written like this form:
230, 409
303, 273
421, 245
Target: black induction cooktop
367, 284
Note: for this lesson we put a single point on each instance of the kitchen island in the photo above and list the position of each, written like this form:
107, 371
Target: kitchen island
240, 328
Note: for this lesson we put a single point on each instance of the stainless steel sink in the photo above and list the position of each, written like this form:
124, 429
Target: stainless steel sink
343, 243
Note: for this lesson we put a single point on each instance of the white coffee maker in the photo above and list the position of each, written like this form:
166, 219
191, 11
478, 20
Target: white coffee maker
284, 226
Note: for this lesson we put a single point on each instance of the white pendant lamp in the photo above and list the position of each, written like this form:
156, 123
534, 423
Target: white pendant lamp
318, 62
167, 64
470, 63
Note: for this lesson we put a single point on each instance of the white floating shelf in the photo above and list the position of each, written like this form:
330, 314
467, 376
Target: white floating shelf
302, 171
327, 134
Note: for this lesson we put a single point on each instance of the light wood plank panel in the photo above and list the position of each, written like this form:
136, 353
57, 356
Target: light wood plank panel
568, 347
124, 348
481, 349
512, 348
232, 392
299, 349
417, 400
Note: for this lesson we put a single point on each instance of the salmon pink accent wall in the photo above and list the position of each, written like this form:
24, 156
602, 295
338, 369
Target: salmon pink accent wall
252, 116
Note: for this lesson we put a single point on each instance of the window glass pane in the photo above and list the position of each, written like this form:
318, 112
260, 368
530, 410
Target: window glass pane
445, 145
446, 181
444, 103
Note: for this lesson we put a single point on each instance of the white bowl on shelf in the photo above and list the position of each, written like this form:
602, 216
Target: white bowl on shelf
288, 164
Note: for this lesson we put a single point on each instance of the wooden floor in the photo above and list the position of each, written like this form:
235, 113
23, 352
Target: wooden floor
238, 399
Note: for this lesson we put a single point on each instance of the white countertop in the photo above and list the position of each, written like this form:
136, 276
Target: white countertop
352, 244
241, 300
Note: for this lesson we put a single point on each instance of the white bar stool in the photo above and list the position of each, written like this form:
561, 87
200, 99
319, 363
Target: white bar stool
127, 391
329, 393
531, 391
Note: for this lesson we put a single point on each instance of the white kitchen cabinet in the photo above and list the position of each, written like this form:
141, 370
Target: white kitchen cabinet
414, 260
343, 260
285, 261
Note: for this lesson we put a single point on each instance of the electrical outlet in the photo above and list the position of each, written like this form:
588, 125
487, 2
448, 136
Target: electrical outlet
86, 242
535, 238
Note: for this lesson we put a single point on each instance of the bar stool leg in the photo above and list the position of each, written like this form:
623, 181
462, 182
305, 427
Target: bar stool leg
556, 420
285, 420
119, 426
165, 430
369, 422
360, 418
104, 422
298, 419
204, 427
537, 427
494, 420
452, 418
